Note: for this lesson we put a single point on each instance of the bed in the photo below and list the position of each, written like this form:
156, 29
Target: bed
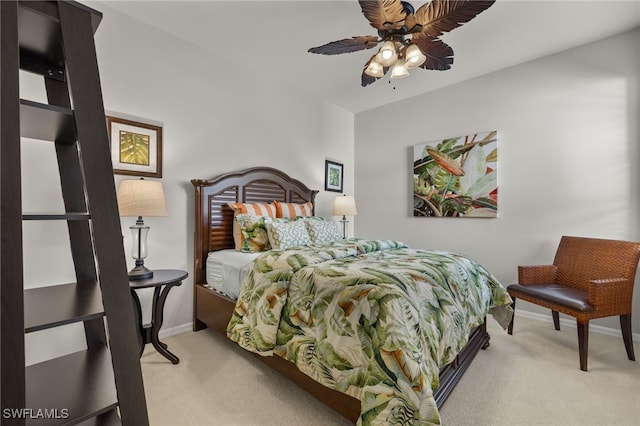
214, 233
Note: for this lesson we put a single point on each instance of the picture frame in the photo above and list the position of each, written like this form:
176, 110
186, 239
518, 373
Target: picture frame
136, 147
333, 174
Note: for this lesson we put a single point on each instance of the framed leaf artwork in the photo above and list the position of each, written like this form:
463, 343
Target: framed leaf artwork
332, 176
456, 177
136, 147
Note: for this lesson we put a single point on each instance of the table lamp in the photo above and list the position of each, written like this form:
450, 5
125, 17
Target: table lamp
345, 206
139, 197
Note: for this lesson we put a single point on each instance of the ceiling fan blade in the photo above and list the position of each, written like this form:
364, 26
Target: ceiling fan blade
367, 79
441, 16
347, 45
384, 14
439, 54
411, 23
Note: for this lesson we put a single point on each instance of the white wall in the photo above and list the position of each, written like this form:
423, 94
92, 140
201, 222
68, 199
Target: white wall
567, 127
216, 118
568, 134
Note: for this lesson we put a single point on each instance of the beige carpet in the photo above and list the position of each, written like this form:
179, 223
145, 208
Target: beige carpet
530, 378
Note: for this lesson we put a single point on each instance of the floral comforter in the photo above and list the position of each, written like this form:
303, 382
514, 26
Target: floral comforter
374, 319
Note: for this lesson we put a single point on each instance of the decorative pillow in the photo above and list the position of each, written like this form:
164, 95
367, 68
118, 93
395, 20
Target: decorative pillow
286, 234
322, 230
254, 233
256, 209
292, 210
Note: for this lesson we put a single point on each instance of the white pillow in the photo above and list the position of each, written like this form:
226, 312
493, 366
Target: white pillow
322, 230
283, 235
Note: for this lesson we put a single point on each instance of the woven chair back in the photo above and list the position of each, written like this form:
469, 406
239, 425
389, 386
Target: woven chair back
580, 260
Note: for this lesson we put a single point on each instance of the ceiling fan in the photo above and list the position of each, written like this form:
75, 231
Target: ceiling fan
409, 38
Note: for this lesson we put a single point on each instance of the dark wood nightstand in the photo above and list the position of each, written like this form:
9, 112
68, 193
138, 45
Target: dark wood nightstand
148, 333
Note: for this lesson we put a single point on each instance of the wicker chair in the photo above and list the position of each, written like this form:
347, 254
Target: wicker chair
590, 278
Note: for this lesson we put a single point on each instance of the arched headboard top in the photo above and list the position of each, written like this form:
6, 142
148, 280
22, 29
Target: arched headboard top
214, 218
248, 176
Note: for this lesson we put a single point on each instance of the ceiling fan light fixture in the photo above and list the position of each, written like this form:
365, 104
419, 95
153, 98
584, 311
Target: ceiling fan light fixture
374, 69
399, 69
387, 54
414, 56
406, 37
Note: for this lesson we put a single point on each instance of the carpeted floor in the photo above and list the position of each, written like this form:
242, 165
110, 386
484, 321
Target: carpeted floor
530, 378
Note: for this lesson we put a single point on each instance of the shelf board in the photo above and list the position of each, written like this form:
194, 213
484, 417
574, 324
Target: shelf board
82, 383
41, 48
53, 306
49, 10
47, 122
56, 216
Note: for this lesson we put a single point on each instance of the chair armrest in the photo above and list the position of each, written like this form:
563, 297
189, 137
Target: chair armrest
537, 274
611, 295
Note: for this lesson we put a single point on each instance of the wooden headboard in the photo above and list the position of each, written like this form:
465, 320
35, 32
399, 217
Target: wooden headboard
214, 218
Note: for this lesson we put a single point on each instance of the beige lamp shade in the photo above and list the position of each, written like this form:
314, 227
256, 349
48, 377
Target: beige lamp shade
374, 69
345, 206
399, 69
139, 197
387, 54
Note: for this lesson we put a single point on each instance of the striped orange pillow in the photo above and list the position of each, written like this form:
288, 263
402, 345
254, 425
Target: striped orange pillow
256, 209
291, 210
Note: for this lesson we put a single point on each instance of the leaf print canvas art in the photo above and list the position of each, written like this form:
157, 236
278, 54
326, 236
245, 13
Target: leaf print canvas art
456, 177
134, 148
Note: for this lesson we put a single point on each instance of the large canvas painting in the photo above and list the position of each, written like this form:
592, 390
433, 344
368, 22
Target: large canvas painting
456, 177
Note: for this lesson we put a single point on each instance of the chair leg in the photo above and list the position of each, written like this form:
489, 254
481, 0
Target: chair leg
513, 307
625, 325
556, 319
583, 343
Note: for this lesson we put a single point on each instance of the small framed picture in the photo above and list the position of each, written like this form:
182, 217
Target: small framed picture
332, 176
136, 148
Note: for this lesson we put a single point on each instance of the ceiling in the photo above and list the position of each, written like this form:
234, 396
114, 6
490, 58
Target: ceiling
275, 35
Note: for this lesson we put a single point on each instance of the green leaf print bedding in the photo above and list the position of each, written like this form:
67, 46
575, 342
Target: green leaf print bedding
374, 319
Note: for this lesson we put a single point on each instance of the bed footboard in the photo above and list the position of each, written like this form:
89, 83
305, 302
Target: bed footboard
451, 374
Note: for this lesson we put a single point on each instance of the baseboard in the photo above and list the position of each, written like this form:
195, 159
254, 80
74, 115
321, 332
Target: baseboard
572, 324
519, 312
166, 332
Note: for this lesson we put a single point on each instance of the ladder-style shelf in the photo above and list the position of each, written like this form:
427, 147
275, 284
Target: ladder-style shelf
101, 385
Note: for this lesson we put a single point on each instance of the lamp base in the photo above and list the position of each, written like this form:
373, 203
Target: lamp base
140, 272
344, 226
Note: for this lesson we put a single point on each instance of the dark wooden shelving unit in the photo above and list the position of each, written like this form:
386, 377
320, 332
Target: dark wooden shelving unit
101, 385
